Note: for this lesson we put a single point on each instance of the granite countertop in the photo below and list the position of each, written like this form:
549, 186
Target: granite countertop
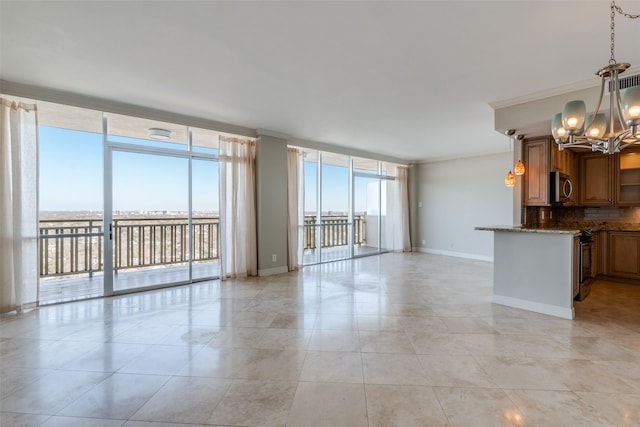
518, 229
565, 228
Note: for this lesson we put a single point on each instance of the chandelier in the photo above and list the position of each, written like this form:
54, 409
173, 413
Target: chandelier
574, 128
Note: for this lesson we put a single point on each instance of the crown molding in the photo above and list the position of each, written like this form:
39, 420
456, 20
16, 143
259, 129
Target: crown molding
561, 90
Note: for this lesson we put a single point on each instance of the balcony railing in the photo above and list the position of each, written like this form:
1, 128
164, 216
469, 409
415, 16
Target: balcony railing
74, 246
333, 230
70, 246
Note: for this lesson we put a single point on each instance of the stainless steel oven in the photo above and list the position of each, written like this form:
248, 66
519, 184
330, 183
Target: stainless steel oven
586, 264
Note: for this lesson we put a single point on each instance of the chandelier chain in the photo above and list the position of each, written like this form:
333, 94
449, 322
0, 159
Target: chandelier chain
623, 13
614, 9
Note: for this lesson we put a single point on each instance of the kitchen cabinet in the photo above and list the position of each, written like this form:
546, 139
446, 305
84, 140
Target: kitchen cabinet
541, 156
596, 183
565, 162
536, 161
628, 177
623, 255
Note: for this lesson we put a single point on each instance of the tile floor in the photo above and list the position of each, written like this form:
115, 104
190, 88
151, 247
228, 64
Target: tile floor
390, 340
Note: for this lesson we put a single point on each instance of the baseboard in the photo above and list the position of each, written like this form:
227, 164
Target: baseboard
537, 307
273, 271
454, 254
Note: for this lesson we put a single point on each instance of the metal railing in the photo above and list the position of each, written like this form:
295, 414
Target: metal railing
144, 242
333, 230
69, 246
74, 246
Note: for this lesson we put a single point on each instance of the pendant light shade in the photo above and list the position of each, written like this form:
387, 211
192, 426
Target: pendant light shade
518, 169
631, 106
573, 116
597, 126
559, 133
510, 180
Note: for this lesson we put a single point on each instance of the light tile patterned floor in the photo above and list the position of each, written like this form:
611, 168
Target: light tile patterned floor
390, 340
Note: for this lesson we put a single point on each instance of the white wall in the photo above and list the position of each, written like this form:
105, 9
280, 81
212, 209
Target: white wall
456, 196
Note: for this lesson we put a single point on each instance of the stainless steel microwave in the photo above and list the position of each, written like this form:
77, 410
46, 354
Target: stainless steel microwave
561, 188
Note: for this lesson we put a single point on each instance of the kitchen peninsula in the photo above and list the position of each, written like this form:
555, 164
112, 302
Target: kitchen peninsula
535, 269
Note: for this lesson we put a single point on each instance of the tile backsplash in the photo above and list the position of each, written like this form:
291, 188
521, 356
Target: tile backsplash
545, 216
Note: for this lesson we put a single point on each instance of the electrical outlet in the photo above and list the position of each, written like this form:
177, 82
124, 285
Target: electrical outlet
274, 258
423, 242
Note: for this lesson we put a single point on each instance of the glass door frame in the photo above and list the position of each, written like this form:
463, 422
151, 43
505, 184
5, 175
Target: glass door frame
109, 148
381, 179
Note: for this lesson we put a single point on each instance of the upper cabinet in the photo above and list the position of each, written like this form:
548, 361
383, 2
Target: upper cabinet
598, 179
535, 154
596, 173
565, 162
628, 177
541, 156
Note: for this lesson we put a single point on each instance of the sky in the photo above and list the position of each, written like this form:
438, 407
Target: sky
71, 179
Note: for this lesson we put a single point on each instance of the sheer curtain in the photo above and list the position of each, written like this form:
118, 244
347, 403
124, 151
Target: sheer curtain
396, 234
402, 193
19, 206
238, 246
295, 214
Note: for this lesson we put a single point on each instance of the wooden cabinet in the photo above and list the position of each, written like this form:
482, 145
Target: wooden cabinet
623, 255
596, 187
628, 177
565, 162
536, 161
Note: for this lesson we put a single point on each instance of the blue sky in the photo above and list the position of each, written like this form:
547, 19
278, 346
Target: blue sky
71, 179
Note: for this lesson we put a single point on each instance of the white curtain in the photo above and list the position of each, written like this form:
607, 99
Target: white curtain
402, 193
19, 206
396, 234
295, 210
238, 250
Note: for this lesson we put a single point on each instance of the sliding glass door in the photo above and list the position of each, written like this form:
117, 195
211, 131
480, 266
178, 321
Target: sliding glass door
366, 215
125, 203
349, 207
334, 225
205, 175
162, 197
150, 221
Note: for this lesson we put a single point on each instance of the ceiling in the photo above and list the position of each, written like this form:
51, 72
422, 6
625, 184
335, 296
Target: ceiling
412, 80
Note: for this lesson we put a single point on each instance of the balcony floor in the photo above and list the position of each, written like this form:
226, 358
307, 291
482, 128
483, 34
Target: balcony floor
310, 256
63, 289
67, 288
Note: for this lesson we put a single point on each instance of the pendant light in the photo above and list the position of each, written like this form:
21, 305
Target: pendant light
519, 168
510, 178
